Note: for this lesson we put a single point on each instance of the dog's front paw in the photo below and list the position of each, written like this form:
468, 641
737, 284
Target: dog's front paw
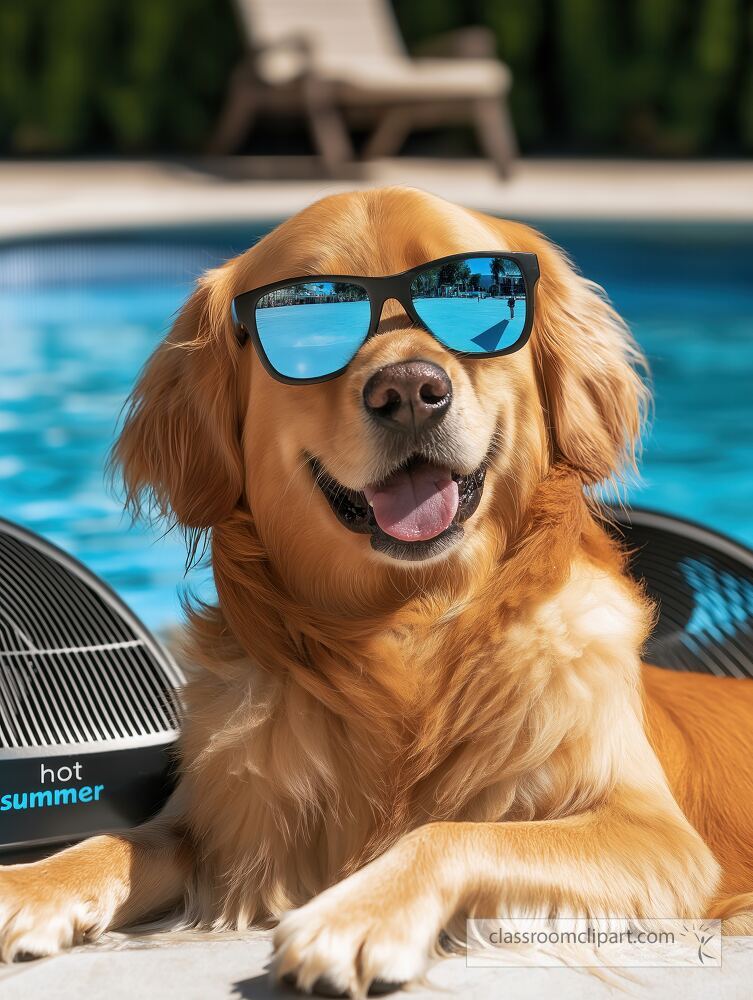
41, 917
372, 932
343, 945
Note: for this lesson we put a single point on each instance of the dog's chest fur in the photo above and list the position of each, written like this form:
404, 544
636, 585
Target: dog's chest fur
470, 720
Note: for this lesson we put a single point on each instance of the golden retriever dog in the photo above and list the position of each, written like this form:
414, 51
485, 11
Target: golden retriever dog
382, 741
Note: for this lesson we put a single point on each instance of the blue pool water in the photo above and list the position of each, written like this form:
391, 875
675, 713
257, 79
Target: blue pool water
79, 318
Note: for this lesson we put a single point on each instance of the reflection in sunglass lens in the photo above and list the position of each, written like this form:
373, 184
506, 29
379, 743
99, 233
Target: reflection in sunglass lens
313, 328
476, 305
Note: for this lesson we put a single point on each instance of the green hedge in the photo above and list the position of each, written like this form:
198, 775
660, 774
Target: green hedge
124, 76
660, 77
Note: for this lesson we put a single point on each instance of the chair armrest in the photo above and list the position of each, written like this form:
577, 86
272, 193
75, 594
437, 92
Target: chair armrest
474, 42
281, 61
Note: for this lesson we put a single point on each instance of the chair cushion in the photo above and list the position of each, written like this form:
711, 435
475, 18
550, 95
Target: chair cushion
373, 81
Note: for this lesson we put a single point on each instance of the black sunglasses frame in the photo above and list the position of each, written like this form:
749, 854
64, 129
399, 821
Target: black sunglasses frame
379, 291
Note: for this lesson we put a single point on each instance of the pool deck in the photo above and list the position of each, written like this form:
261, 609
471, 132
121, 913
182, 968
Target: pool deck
59, 197
234, 967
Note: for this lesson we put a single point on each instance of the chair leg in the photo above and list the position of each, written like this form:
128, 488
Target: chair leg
328, 128
389, 134
495, 133
237, 115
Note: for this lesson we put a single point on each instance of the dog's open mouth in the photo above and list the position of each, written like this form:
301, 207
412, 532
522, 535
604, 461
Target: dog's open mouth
415, 513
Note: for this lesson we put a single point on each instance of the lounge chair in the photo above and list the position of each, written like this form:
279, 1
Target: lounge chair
341, 62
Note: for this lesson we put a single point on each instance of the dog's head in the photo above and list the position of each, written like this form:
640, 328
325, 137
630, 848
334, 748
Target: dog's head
414, 457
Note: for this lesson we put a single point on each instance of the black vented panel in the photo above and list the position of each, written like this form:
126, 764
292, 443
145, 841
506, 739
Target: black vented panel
702, 584
47, 607
75, 665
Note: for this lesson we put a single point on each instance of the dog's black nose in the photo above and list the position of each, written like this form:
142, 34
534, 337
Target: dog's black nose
408, 396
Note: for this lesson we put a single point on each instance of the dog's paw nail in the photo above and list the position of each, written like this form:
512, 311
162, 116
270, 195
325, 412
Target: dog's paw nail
381, 987
324, 987
27, 956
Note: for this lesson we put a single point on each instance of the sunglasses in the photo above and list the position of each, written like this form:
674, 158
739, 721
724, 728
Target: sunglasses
309, 329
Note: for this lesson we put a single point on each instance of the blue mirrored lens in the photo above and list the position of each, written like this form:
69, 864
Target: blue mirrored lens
312, 329
476, 305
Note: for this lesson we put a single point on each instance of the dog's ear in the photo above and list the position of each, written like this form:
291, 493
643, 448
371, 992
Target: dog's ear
590, 373
179, 448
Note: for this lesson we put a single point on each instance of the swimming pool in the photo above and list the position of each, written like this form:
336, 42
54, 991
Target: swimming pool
78, 317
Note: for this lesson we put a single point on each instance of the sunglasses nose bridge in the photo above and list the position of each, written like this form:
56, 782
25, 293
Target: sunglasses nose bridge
380, 301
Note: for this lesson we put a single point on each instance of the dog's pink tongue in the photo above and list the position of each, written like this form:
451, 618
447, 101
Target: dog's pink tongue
415, 505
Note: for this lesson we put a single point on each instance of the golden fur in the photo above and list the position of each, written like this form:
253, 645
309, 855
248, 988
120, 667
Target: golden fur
389, 747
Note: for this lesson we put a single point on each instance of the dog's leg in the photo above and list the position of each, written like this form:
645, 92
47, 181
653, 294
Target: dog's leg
626, 858
102, 883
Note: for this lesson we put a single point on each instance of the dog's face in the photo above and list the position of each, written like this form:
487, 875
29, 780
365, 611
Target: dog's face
397, 460
413, 457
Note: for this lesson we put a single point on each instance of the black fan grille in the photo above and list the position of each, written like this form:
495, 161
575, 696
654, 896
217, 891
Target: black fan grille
703, 586
74, 667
